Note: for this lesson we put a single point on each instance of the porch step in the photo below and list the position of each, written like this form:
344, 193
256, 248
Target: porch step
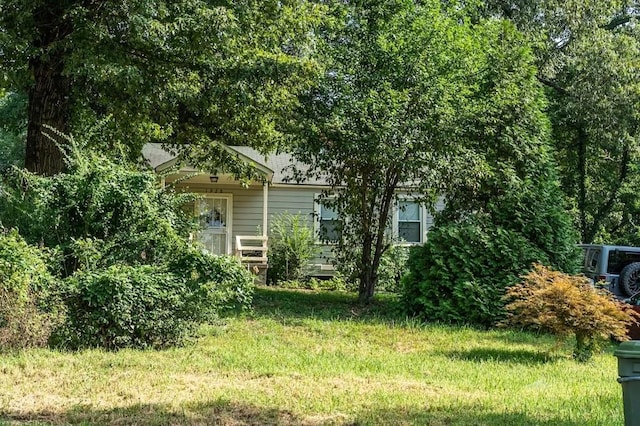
259, 270
252, 252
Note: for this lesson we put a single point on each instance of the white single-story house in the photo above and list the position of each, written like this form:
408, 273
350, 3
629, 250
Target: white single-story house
235, 219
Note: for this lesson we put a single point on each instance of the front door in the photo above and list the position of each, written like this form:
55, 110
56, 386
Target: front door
214, 215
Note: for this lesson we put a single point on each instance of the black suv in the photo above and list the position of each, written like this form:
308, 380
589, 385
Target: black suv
618, 266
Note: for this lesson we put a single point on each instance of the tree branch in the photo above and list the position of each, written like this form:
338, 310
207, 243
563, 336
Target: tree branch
618, 21
552, 84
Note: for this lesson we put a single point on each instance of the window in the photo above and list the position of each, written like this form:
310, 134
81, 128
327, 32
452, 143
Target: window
327, 222
618, 259
410, 221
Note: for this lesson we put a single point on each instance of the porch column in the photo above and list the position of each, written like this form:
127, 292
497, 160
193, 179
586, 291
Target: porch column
265, 201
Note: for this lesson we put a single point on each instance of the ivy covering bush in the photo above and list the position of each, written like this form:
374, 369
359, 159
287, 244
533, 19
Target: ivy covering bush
216, 282
29, 308
131, 276
98, 213
566, 305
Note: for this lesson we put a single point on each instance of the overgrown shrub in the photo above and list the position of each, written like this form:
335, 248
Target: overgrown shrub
291, 247
126, 306
151, 306
115, 212
216, 282
29, 307
393, 265
132, 277
566, 305
485, 239
461, 273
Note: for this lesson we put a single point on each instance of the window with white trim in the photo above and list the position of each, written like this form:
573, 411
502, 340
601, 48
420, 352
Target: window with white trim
410, 227
327, 223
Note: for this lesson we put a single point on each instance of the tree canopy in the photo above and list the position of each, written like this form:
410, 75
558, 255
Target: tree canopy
586, 53
415, 103
196, 72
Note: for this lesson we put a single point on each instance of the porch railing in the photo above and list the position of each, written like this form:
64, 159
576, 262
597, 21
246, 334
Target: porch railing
251, 249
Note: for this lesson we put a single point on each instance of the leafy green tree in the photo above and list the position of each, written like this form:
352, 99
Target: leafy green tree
586, 52
202, 72
513, 214
413, 99
13, 129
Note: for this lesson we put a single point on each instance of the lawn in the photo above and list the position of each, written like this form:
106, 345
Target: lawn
317, 358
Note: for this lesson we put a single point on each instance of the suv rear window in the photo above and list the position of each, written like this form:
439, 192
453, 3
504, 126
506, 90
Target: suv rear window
619, 259
591, 258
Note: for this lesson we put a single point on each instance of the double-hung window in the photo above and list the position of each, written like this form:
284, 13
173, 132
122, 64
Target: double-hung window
410, 222
327, 222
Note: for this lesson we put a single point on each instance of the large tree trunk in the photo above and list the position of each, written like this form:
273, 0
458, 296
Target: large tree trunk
373, 246
368, 276
48, 105
49, 96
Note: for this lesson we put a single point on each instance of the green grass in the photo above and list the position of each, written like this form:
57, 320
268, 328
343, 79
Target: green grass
317, 358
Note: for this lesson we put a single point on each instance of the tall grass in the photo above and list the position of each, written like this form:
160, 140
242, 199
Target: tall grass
317, 358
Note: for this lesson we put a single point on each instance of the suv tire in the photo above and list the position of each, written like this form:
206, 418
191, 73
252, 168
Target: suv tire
630, 278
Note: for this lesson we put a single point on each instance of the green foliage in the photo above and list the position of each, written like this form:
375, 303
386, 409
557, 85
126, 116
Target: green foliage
394, 72
335, 283
13, 126
126, 306
497, 222
192, 73
97, 214
291, 247
218, 282
531, 207
565, 305
152, 306
133, 278
29, 308
415, 98
586, 55
480, 246
393, 265
461, 273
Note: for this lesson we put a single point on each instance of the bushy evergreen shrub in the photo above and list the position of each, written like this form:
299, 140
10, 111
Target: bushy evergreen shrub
29, 306
480, 247
462, 272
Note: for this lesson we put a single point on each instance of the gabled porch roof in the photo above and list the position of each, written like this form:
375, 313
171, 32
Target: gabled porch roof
276, 168
160, 160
